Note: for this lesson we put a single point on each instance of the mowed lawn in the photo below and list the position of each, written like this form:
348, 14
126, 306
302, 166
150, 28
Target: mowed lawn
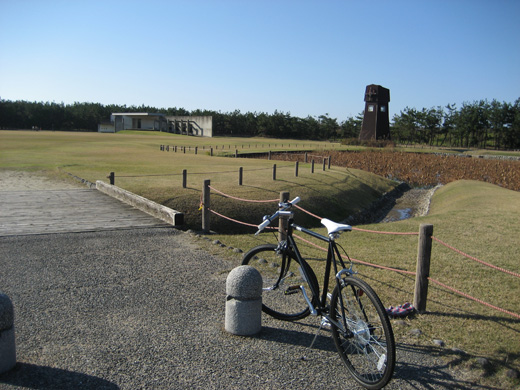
478, 218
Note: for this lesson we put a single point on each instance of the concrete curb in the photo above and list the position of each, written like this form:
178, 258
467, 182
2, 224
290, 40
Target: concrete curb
173, 217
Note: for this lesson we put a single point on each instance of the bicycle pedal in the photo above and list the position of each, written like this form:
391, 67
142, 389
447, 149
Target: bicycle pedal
292, 290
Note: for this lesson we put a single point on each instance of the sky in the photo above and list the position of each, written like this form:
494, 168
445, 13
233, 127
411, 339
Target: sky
305, 58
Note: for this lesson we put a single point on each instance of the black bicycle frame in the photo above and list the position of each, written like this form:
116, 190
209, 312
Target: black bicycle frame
332, 255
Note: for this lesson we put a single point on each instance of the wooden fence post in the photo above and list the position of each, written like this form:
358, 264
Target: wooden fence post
312, 166
305, 157
269, 155
329, 161
283, 222
184, 177
205, 206
323, 163
236, 153
296, 169
424, 252
240, 175
196, 149
211, 152
274, 171
112, 178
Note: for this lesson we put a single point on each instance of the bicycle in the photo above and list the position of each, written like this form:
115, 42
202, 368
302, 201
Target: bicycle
360, 327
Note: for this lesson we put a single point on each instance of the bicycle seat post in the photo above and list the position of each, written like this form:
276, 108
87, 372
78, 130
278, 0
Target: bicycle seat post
283, 219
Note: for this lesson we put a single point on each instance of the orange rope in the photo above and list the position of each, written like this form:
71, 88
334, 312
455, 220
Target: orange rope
356, 260
378, 232
474, 299
475, 259
243, 200
358, 229
236, 221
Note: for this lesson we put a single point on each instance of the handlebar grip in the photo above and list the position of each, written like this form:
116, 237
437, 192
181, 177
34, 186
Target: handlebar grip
295, 200
263, 225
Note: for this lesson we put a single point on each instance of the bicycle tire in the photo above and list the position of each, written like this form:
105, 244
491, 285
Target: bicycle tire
367, 347
279, 272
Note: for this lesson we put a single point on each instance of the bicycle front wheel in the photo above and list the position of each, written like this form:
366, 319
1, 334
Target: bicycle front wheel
283, 282
362, 333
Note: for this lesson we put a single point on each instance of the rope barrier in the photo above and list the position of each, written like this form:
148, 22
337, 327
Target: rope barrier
243, 200
239, 222
413, 273
475, 259
358, 229
473, 298
356, 260
381, 266
392, 233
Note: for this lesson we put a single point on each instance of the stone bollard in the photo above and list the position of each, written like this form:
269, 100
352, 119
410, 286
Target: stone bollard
244, 301
7, 344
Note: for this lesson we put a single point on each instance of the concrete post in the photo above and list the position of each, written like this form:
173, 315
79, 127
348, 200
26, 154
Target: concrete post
244, 301
7, 340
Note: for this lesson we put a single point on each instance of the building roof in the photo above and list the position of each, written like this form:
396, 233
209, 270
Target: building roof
137, 113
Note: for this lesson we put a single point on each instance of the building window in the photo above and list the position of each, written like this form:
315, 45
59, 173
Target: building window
370, 108
383, 108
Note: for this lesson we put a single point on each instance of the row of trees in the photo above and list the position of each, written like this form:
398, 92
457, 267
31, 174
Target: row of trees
482, 124
478, 124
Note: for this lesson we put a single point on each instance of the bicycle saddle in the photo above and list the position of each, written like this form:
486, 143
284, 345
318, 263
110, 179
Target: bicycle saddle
334, 227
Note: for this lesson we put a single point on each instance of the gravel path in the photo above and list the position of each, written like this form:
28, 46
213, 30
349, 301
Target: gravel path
144, 308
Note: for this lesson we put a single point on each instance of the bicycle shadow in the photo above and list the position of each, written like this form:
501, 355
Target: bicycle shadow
414, 368
32, 376
411, 371
323, 341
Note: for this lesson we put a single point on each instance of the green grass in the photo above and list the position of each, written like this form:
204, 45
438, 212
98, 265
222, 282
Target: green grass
142, 168
477, 218
481, 220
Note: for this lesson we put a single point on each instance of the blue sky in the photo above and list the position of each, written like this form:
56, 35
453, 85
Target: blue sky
302, 57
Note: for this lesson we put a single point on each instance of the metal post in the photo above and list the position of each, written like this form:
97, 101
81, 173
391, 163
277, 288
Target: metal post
274, 171
312, 166
424, 252
296, 169
112, 178
240, 175
184, 177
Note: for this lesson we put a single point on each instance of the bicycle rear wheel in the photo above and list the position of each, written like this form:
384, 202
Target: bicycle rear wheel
362, 333
283, 281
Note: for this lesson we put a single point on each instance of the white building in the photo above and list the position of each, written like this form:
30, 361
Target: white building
201, 126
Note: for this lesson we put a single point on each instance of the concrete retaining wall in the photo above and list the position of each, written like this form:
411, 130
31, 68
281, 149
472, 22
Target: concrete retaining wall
173, 217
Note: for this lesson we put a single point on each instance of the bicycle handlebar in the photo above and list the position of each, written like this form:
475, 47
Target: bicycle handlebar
269, 219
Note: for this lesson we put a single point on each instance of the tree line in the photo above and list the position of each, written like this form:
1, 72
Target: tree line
481, 124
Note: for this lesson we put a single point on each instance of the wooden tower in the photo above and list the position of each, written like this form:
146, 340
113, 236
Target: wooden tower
376, 123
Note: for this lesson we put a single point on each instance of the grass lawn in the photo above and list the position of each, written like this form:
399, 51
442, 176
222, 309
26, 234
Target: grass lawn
478, 218
481, 220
